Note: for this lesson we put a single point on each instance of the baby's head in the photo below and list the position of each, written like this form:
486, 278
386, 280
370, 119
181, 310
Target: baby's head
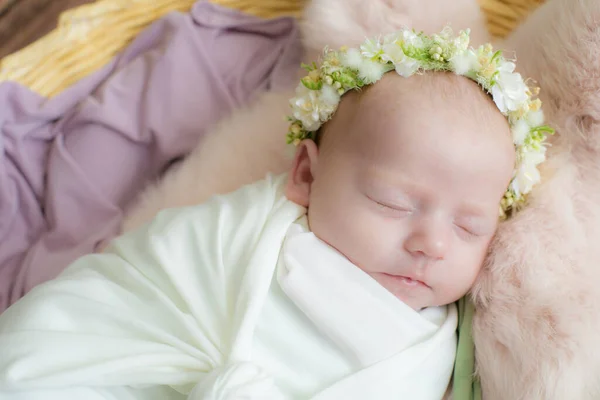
406, 177
406, 182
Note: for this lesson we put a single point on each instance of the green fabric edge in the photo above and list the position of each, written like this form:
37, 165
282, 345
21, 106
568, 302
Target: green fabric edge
465, 385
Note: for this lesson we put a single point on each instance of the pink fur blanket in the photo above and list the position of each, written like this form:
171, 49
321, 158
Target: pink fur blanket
537, 306
537, 323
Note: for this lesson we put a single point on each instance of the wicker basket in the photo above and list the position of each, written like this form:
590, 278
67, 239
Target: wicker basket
80, 44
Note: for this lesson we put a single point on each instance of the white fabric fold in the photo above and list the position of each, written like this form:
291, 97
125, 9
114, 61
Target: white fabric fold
404, 353
164, 306
231, 299
243, 380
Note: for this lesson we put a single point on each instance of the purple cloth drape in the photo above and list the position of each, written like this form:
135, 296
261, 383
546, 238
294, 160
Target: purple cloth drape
70, 164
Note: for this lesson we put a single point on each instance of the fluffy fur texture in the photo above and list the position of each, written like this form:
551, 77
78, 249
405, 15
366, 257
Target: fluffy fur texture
239, 150
537, 301
538, 304
336, 23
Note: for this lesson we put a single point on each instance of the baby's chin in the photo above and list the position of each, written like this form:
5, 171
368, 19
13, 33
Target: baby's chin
415, 294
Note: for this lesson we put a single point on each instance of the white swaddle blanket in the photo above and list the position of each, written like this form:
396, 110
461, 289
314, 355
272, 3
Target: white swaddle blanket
234, 298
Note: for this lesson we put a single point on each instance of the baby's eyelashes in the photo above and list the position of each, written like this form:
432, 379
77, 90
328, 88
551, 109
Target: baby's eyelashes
393, 208
467, 227
472, 229
466, 233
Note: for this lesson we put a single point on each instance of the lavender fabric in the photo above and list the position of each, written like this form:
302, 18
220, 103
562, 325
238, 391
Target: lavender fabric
70, 164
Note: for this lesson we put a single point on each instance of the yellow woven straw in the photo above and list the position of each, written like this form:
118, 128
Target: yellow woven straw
504, 15
87, 37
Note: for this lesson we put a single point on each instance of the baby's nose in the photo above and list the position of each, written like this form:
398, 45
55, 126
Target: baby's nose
430, 242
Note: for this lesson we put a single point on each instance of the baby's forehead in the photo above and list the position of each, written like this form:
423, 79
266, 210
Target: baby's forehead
427, 97
427, 106
447, 121
424, 91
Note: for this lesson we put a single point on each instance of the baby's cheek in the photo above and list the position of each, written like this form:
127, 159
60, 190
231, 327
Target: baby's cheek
355, 235
336, 225
371, 245
352, 229
465, 271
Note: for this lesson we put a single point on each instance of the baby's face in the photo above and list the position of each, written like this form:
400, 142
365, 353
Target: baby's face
407, 182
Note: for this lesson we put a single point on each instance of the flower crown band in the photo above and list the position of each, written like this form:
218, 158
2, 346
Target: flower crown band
407, 52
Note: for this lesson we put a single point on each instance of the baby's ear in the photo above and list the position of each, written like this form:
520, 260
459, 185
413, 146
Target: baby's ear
301, 175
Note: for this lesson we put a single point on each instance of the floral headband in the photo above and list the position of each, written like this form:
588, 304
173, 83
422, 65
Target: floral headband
407, 52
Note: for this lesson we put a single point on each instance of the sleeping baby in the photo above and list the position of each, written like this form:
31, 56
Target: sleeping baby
336, 280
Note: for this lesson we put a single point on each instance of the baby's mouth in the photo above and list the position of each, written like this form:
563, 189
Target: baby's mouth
408, 280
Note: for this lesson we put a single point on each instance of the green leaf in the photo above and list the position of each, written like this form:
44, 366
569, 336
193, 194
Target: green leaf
306, 67
310, 84
497, 54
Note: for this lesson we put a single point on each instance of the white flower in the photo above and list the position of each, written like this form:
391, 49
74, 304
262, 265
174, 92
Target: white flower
405, 66
535, 118
411, 39
520, 131
463, 62
510, 91
485, 51
352, 58
331, 63
527, 174
461, 42
329, 98
392, 52
533, 156
371, 48
371, 71
406, 38
313, 107
444, 36
391, 38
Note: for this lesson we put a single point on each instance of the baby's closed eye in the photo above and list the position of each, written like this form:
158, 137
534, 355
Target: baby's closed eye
474, 227
393, 207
